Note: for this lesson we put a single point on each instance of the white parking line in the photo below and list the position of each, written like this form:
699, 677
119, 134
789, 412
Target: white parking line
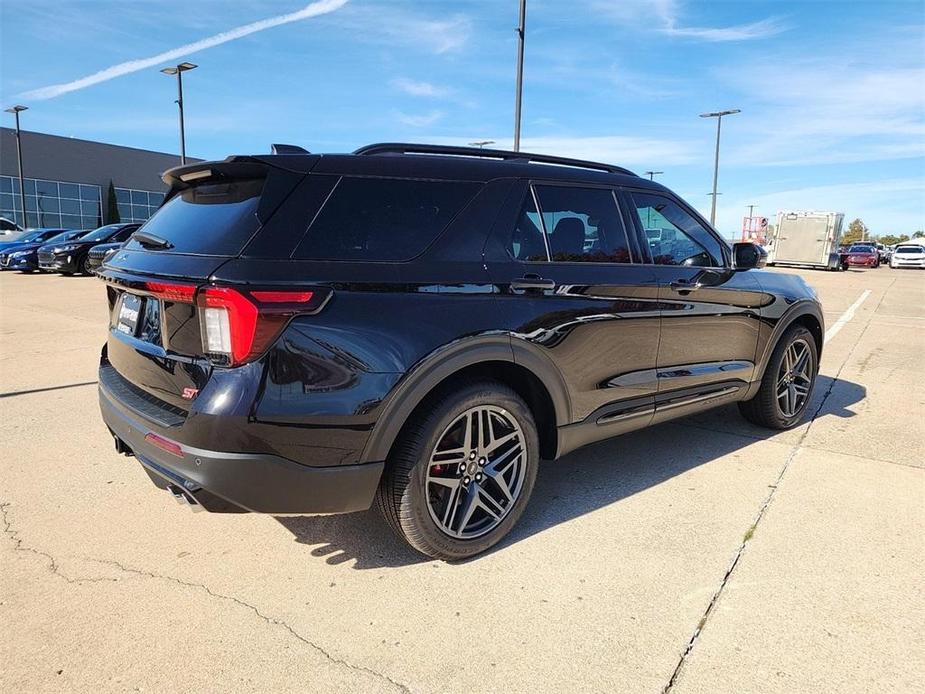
846, 316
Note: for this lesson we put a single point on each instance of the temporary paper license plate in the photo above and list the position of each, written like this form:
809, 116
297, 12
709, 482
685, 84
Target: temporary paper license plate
128, 314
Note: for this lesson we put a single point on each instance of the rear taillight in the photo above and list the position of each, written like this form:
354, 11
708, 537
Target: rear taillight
172, 291
238, 325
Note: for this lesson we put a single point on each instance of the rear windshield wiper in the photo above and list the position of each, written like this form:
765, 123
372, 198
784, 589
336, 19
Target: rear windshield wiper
150, 240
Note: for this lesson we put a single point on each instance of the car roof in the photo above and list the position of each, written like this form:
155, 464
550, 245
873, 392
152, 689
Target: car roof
433, 162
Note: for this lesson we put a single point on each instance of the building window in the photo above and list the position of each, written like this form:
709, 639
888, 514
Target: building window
51, 203
137, 205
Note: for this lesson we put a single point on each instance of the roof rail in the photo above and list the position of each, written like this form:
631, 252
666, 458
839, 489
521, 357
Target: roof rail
406, 148
288, 149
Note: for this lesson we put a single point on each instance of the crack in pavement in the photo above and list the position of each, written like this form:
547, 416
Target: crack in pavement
749, 533
822, 449
18, 546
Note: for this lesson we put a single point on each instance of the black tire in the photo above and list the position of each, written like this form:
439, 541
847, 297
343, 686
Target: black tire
85, 267
765, 409
404, 498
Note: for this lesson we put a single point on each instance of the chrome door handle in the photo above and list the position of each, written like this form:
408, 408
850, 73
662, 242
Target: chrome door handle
535, 283
685, 286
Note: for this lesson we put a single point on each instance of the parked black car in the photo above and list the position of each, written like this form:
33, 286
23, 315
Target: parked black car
98, 253
72, 257
420, 325
21, 254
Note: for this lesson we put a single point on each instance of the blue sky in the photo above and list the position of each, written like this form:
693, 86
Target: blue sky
832, 93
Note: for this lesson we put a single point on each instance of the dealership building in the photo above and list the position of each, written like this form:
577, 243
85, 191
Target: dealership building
67, 180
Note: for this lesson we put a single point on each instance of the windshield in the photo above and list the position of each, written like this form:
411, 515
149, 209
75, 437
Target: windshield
910, 249
66, 236
102, 233
32, 236
859, 249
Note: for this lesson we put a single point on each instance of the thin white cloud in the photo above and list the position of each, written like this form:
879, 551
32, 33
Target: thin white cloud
313, 10
419, 120
799, 113
741, 32
886, 205
664, 17
389, 25
418, 88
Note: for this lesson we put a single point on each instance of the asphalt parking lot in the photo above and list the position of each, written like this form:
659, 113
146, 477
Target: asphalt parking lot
703, 555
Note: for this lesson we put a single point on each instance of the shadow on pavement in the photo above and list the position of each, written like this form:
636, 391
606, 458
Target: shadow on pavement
581, 482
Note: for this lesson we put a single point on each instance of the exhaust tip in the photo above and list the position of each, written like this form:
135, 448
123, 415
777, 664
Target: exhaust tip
184, 498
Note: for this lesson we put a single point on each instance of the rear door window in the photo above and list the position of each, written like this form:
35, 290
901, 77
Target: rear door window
583, 225
383, 219
210, 219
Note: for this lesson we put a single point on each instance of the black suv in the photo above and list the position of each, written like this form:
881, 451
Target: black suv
419, 325
74, 256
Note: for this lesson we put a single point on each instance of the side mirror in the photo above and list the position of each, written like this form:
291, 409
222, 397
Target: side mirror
748, 255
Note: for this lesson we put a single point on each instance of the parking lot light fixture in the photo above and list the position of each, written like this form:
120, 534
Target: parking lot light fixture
481, 143
653, 174
178, 70
718, 115
16, 110
518, 99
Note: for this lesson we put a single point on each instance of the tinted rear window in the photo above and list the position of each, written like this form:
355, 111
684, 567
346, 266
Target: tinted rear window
213, 219
382, 219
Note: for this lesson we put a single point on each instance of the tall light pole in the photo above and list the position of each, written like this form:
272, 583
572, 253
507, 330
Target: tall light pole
718, 115
520, 73
178, 70
15, 110
481, 143
651, 175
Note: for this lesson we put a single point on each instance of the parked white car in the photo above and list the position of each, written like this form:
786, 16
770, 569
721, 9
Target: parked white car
908, 255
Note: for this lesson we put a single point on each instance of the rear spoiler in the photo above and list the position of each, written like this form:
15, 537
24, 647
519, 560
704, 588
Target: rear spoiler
282, 174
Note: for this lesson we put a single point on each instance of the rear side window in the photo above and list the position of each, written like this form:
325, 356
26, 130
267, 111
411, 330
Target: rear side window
212, 219
382, 219
582, 225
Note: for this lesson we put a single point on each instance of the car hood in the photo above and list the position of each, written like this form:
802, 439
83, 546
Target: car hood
9, 247
73, 243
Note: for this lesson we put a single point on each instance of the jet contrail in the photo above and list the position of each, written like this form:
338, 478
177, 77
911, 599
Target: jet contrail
312, 10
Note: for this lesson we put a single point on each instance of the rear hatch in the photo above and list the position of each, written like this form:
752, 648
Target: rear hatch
170, 326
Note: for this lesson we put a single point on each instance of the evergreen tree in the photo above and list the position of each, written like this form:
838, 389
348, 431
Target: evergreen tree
112, 206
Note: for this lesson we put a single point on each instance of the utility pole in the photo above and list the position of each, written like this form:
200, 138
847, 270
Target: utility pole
520, 73
16, 110
178, 70
718, 115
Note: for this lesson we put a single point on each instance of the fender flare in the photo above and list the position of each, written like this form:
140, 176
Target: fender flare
804, 307
443, 363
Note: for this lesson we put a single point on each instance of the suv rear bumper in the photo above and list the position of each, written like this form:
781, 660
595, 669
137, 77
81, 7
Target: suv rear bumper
234, 482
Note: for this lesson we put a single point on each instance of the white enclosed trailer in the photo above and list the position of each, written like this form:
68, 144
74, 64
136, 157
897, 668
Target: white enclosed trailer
806, 238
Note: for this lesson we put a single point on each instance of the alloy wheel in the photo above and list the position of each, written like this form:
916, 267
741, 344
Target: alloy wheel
476, 472
794, 378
